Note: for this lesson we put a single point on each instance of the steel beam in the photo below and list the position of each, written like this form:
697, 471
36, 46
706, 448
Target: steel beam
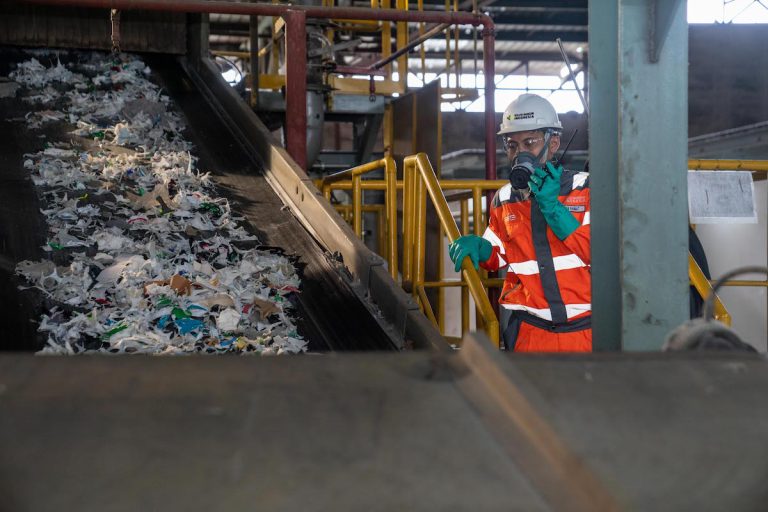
544, 5
638, 146
540, 17
539, 34
489, 67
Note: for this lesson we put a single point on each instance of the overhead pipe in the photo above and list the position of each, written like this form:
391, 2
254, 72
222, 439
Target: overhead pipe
259, 9
346, 13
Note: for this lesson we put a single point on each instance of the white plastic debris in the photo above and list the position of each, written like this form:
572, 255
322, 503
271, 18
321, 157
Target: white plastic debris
8, 89
228, 320
149, 258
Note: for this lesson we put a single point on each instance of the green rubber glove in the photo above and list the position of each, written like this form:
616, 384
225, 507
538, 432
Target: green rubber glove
545, 187
476, 247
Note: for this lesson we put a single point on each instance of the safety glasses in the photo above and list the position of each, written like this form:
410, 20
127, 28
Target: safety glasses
528, 144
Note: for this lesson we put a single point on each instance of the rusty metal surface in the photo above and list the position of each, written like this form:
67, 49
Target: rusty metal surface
66, 27
309, 433
296, 87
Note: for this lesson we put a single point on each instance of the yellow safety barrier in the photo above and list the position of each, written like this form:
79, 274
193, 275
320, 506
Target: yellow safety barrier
467, 190
390, 200
419, 181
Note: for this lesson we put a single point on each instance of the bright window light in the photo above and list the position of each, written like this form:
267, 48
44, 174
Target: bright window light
723, 11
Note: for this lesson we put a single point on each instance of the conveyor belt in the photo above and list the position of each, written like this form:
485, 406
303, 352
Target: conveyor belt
332, 316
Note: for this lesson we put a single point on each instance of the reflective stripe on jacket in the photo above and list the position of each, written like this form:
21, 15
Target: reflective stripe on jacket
546, 277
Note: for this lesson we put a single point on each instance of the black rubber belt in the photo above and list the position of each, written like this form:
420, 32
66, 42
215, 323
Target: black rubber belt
546, 265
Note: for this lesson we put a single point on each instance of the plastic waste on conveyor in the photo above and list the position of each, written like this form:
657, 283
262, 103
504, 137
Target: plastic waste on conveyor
142, 250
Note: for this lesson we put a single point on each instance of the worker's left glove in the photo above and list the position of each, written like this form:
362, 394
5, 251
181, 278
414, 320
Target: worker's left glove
545, 187
476, 247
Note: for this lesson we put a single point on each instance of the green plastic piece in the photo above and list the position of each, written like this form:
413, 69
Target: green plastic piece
112, 332
164, 301
211, 207
179, 313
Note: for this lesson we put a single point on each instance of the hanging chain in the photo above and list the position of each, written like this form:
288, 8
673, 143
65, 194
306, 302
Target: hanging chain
115, 18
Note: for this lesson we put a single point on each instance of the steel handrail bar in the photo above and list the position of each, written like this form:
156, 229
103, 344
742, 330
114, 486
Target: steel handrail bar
492, 282
390, 199
730, 165
444, 184
704, 287
381, 217
743, 282
414, 220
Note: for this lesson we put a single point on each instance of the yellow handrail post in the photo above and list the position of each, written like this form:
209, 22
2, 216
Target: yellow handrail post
420, 232
357, 204
351, 179
409, 208
464, 290
381, 227
477, 207
390, 198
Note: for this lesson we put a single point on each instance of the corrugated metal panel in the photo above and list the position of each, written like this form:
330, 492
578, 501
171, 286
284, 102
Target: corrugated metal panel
26, 25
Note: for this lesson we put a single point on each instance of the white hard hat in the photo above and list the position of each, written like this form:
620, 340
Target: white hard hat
529, 112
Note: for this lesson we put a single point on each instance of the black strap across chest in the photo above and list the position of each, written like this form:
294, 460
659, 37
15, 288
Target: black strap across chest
546, 265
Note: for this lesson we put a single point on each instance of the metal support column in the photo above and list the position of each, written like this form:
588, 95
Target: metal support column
253, 32
638, 158
296, 86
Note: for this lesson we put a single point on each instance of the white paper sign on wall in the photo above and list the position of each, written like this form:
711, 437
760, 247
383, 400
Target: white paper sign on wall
721, 197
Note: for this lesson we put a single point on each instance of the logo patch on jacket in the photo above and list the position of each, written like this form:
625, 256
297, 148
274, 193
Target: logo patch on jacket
510, 218
575, 208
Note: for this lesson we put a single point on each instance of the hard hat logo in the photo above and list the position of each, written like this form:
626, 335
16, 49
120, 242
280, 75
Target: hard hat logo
529, 112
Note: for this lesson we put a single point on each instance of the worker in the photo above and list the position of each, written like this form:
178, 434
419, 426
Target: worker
539, 230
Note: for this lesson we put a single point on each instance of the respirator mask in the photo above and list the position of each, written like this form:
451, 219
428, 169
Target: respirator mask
525, 164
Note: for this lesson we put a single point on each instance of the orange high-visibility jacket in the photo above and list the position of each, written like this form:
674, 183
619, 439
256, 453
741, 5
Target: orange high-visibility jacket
546, 277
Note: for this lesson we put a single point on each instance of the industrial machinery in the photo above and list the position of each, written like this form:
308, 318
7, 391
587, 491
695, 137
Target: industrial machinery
420, 430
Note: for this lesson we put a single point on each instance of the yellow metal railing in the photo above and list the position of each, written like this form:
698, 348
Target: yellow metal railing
704, 287
466, 191
389, 185
728, 165
415, 187
419, 180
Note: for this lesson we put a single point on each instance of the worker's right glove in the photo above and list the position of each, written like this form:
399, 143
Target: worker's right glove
545, 187
476, 247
